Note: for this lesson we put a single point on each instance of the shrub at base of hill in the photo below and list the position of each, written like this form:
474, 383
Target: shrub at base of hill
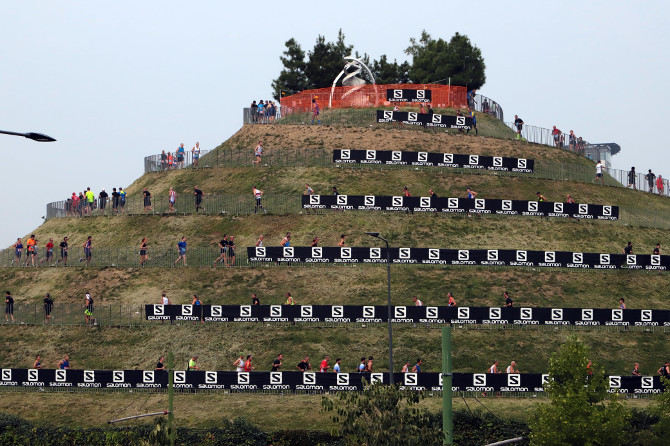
383, 415
16, 430
478, 427
581, 410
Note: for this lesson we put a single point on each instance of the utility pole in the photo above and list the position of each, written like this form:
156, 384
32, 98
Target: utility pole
447, 413
171, 398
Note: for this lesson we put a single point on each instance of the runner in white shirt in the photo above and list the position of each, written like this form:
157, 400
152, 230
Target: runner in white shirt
599, 172
511, 368
165, 300
417, 302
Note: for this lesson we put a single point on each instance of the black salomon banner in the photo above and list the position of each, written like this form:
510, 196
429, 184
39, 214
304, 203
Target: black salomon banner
408, 95
410, 315
470, 257
453, 205
297, 381
425, 119
455, 160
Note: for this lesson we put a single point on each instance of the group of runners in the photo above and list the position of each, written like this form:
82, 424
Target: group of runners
84, 203
88, 308
32, 254
176, 160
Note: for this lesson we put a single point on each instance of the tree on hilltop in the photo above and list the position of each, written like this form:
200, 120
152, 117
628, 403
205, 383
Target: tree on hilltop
458, 59
292, 78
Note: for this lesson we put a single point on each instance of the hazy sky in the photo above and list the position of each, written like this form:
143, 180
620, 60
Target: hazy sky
115, 81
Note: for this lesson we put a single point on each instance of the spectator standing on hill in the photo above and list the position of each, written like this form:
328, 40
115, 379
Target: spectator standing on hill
172, 199
518, 123
650, 177
147, 200
199, 195
254, 112
659, 184
9, 306
195, 152
304, 365
315, 112
90, 199
261, 112
629, 248
163, 160
102, 197
48, 307
122, 199
223, 251
258, 197
509, 303
181, 246
63, 251
88, 247
657, 249
115, 201
258, 153
632, 177
572, 141
180, 156
143, 251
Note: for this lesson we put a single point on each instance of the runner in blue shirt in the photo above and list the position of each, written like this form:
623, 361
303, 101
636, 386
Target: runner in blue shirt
182, 250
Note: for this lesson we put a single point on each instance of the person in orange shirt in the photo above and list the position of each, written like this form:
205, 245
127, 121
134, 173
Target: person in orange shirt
32, 250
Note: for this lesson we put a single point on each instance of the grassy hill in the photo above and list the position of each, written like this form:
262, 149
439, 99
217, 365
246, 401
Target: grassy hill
218, 345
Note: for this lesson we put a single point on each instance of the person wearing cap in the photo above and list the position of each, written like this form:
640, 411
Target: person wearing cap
102, 196
191, 364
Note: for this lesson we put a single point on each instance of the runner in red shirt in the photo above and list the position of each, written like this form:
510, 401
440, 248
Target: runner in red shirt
50, 252
324, 364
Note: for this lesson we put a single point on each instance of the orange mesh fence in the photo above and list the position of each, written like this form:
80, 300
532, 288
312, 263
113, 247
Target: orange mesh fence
365, 96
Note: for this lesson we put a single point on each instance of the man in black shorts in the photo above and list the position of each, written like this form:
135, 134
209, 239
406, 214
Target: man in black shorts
198, 198
48, 306
102, 196
9, 306
147, 199
63, 251
518, 123
115, 200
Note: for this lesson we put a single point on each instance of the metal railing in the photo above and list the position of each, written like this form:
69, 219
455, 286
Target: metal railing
489, 106
251, 116
161, 162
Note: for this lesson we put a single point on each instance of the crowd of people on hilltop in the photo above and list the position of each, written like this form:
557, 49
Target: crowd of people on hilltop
86, 203
177, 159
263, 112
